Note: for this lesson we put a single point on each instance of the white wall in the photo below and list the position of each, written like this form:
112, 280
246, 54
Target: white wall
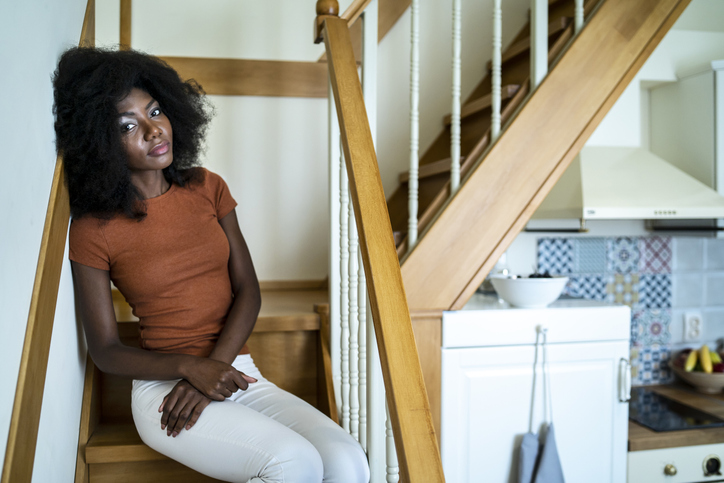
32, 35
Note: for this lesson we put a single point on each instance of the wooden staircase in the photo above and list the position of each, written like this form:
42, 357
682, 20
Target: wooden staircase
501, 191
287, 347
435, 163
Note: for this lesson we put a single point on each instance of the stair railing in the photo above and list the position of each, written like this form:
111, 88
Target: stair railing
539, 67
379, 360
23, 433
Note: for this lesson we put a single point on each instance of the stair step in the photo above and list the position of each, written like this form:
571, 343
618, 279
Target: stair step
523, 46
482, 103
431, 169
118, 443
281, 310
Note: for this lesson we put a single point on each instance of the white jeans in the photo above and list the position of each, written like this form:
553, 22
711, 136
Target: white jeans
263, 434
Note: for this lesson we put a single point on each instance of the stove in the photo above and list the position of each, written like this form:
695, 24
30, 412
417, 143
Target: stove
660, 413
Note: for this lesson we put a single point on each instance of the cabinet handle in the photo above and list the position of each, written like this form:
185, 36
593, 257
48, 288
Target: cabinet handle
624, 380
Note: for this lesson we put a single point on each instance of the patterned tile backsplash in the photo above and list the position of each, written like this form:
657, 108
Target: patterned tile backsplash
658, 277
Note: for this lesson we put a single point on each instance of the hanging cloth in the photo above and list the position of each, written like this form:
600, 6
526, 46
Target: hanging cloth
539, 461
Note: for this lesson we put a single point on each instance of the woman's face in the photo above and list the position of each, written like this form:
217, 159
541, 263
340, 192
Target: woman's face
146, 132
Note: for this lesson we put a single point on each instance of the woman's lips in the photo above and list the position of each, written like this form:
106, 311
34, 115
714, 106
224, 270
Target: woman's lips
160, 150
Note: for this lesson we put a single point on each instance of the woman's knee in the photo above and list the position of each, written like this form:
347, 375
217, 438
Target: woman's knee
344, 462
295, 460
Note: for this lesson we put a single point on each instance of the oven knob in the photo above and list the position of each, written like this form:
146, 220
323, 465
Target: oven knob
712, 466
669, 470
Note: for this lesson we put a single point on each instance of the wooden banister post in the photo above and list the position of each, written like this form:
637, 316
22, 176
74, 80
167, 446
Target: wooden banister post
325, 9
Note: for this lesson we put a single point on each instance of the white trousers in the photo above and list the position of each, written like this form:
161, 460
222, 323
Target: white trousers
263, 434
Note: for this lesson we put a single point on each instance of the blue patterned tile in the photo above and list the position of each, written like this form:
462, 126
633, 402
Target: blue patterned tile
589, 255
655, 291
591, 287
622, 255
555, 255
656, 254
650, 326
651, 364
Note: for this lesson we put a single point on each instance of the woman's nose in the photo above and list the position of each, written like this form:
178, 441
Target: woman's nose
153, 131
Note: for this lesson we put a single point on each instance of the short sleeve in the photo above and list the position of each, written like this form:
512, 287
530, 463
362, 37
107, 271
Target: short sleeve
219, 191
87, 244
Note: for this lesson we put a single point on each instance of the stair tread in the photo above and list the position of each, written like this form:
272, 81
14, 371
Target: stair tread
117, 443
280, 309
522, 46
481, 103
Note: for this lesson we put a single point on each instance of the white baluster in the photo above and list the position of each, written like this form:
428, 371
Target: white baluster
393, 469
376, 445
344, 287
362, 393
412, 184
579, 15
455, 108
538, 42
334, 246
353, 326
496, 75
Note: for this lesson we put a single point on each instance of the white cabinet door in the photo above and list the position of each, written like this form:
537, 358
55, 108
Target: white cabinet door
486, 402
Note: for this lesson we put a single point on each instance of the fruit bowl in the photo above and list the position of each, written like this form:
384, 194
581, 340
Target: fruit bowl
703, 382
529, 293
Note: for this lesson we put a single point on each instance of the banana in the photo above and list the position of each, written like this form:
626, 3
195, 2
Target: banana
691, 361
715, 357
705, 358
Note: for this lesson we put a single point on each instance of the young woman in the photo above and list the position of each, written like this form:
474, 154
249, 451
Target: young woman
165, 232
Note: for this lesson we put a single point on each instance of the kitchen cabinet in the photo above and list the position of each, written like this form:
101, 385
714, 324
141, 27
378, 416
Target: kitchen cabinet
687, 125
487, 379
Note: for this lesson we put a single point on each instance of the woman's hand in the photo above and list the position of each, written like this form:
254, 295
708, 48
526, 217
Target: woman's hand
215, 379
182, 407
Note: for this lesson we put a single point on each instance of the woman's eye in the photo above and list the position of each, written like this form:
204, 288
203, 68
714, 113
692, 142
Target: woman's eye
128, 127
155, 111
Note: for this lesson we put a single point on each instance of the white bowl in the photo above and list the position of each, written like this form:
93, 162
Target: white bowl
529, 293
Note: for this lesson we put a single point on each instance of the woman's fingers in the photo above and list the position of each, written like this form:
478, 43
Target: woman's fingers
197, 411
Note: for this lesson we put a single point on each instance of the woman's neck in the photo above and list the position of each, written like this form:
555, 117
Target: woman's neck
150, 184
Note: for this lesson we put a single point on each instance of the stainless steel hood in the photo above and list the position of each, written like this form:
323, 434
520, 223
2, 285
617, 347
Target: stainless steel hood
605, 183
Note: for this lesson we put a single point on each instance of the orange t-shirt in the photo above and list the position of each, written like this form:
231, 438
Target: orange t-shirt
172, 266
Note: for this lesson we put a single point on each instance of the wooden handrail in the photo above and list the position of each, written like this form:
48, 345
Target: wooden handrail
354, 10
23, 434
417, 450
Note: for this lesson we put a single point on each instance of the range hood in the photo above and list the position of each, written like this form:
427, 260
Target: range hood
605, 183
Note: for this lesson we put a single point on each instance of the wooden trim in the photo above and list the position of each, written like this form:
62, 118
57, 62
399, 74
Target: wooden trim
89, 418
23, 434
279, 285
88, 31
326, 401
244, 77
417, 449
126, 22
354, 11
502, 192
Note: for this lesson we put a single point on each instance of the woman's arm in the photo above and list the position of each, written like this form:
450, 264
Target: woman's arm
183, 405
247, 295
215, 379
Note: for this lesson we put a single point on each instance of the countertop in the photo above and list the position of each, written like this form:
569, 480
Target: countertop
641, 438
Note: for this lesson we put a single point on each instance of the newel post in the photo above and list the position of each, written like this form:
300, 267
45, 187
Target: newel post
325, 9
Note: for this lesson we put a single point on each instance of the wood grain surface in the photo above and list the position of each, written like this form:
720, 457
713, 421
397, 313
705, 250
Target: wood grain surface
417, 449
498, 198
